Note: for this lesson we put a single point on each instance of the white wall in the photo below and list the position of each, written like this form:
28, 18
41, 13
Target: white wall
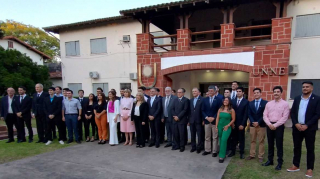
56, 82
33, 55
113, 67
304, 51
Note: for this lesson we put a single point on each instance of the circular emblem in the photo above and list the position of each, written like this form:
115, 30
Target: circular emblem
147, 71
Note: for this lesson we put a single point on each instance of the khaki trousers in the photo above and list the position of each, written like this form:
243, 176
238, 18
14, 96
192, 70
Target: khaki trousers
260, 133
210, 131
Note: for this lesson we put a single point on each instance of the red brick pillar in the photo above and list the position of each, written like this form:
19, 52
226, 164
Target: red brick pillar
144, 43
183, 39
281, 30
227, 35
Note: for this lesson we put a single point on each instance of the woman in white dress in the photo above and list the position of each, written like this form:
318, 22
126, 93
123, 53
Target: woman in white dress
113, 110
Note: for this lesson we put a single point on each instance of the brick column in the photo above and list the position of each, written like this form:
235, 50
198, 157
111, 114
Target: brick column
227, 35
144, 43
281, 30
183, 39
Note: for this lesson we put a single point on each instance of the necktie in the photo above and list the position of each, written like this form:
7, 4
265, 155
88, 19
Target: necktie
195, 102
238, 102
210, 101
38, 95
80, 100
21, 98
257, 105
233, 95
166, 107
152, 99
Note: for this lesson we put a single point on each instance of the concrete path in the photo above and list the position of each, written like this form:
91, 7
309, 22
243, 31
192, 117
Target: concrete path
93, 161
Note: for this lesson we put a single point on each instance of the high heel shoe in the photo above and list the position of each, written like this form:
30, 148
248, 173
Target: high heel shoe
92, 139
221, 160
103, 142
130, 143
126, 143
100, 142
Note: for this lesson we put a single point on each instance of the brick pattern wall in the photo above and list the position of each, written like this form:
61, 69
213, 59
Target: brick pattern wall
227, 35
281, 30
144, 43
184, 39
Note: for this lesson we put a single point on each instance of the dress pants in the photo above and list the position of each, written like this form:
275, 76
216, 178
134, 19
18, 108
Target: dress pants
54, 131
102, 126
211, 132
260, 133
162, 131
11, 120
196, 130
121, 135
155, 131
41, 126
87, 123
278, 136
310, 137
139, 130
169, 128
237, 136
21, 131
72, 125
62, 128
80, 127
179, 135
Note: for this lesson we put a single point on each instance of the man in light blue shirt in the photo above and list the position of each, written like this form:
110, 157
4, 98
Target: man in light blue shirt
302, 109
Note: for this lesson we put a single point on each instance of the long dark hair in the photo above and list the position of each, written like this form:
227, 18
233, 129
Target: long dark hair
103, 98
114, 95
229, 105
93, 97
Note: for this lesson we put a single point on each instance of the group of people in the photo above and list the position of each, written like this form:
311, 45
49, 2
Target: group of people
217, 122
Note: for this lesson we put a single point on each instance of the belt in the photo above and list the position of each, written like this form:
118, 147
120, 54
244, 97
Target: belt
71, 114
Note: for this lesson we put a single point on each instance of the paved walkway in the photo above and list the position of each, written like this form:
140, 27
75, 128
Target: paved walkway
93, 161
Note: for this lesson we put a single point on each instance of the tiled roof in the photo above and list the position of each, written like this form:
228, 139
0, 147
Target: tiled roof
57, 28
44, 56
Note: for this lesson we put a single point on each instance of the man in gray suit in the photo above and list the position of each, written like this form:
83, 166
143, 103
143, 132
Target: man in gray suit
167, 117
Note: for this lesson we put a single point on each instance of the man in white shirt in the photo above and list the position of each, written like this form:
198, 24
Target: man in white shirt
234, 87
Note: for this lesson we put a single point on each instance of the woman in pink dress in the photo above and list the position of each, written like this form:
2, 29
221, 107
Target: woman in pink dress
126, 125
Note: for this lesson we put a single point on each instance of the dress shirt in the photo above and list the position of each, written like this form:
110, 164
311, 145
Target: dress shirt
166, 103
276, 112
71, 106
137, 111
9, 105
233, 94
39, 94
255, 103
80, 99
239, 101
152, 100
303, 109
58, 95
195, 101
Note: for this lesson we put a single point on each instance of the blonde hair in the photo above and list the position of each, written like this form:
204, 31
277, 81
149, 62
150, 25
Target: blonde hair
141, 95
127, 91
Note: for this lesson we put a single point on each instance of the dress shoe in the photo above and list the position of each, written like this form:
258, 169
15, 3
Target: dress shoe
278, 167
168, 145
231, 154
293, 169
205, 153
19, 141
69, 141
151, 145
157, 146
198, 151
30, 140
250, 158
214, 155
175, 148
221, 160
192, 150
39, 141
241, 156
268, 163
9, 141
79, 142
182, 149
309, 173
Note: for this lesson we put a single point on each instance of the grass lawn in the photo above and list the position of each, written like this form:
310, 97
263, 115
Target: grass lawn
15, 151
242, 169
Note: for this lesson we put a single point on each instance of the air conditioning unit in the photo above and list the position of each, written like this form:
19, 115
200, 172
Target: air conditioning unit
126, 38
133, 76
94, 75
293, 69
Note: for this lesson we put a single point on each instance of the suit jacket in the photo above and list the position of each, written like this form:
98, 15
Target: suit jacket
147, 96
143, 109
180, 108
52, 108
37, 103
208, 111
155, 110
170, 105
241, 111
220, 96
84, 102
312, 114
257, 115
195, 115
5, 106
24, 106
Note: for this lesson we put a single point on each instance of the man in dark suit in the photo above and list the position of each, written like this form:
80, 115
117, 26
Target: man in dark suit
162, 124
38, 113
83, 101
154, 116
257, 124
180, 120
7, 113
210, 107
305, 113
196, 120
240, 106
52, 106
218, 95
22, 107
167, 117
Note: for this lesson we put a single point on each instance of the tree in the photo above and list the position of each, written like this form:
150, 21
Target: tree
33, 36
17, 69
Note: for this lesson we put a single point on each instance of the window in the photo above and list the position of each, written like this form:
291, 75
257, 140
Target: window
98, 45
75, 87
308, 25
296, 87
104, 87
72, 48
125, 85
159, 41
10, 44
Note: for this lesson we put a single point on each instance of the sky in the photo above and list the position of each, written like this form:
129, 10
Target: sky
44, 13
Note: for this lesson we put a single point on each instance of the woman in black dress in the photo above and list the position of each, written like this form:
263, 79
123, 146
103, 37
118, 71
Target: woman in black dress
139, 116
89, 118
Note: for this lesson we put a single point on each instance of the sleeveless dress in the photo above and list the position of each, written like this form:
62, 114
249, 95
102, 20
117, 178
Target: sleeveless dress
224, 119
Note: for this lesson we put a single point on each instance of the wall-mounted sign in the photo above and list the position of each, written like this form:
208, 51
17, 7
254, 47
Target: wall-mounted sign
268, 71
147, 72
